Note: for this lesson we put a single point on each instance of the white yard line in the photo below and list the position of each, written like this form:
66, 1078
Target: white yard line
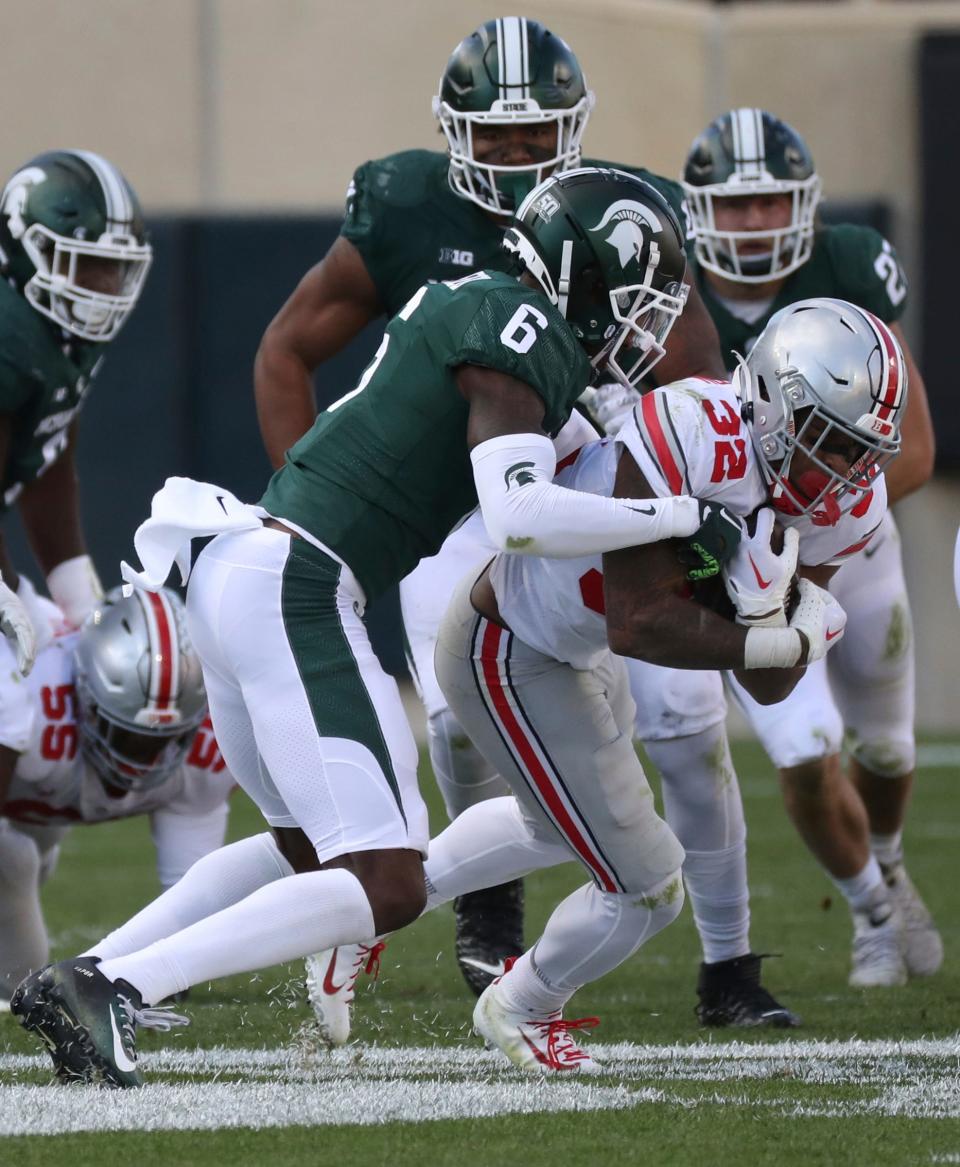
279, 1087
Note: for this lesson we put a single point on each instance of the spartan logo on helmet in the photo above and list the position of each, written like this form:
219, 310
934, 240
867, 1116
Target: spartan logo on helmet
627, 235
15, 196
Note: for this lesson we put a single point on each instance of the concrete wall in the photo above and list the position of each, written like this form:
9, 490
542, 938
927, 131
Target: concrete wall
246, 104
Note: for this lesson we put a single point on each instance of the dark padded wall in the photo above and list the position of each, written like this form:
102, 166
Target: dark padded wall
939, 68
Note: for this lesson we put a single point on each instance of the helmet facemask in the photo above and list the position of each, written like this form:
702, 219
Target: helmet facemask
501, 188
129, 757
646, 316
56, 290
790, 247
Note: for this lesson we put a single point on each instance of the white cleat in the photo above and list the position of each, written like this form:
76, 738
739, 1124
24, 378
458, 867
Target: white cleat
922, 946
539, 1045
878, 948
331, 985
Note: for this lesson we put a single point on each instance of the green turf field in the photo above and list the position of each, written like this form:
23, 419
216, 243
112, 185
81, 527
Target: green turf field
870, 1078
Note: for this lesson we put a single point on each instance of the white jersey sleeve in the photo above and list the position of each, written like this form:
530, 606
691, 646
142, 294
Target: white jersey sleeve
17, 702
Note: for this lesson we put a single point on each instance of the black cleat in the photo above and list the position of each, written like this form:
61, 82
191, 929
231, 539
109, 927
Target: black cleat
489, 930
87, 1022
731, 994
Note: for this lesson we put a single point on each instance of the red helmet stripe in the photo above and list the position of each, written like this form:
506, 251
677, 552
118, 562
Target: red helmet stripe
162, 650
890, 390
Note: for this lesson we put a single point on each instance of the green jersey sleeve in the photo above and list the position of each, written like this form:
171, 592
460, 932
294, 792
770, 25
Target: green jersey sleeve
16, 386
867, 270
516, 331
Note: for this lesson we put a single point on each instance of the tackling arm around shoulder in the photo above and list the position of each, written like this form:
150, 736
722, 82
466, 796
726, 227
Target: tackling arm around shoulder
525, 512
330, 305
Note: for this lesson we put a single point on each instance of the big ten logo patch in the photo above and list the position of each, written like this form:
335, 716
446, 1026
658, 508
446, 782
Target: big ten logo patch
59, 737
730, 454
457, 256
205, 753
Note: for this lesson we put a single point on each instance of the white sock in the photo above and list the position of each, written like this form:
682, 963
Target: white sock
213, 883
464, 776
588, 935
23, 936
279, 922
887, 849
486, 845
717, 885
862, 892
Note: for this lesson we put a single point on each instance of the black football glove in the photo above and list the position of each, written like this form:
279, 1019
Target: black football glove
713, 543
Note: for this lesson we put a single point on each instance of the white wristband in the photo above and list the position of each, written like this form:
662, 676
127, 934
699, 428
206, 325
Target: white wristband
75, 588
772, 648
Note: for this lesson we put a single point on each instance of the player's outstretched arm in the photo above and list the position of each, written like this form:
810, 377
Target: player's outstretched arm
330, 305
525, 512
50, 509
694, 346
913, 466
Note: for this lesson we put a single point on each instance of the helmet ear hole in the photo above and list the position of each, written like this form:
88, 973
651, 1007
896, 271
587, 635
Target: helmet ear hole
762, 392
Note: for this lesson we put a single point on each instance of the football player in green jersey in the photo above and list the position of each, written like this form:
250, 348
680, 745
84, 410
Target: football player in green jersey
752, 195
457, 407
73, 256
513, 104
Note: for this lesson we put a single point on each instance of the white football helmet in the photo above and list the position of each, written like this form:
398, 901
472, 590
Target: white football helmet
823, 375
140, 694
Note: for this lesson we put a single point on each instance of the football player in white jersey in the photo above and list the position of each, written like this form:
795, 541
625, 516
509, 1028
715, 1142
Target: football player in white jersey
112, 722
526, 652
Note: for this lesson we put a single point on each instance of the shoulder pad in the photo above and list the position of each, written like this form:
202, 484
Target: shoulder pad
404, 179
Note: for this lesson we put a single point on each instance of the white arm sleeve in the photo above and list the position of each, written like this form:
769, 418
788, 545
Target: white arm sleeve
526, 513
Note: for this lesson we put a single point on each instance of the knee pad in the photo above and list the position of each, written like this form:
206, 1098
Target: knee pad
887, 757
463, 774
664, 901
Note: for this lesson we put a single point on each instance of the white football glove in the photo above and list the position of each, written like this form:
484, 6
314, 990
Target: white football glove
612, 404
820, 618
758, 578
15, 623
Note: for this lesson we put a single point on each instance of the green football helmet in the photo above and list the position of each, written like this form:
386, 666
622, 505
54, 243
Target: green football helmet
607, 250
510, 72
751, 152
72, 239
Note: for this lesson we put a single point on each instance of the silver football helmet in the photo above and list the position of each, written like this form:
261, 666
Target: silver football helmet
824, 377
140, 694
